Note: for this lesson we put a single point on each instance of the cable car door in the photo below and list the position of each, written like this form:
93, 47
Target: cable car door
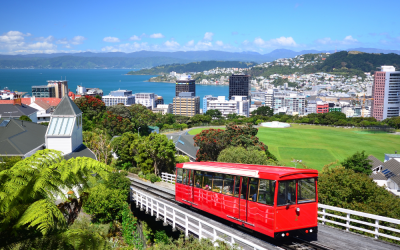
243, 199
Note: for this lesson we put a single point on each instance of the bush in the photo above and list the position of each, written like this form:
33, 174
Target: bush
181, 159
134, 170
118, 180
105, 204
25, 118
161, 237
154, 178
251, 155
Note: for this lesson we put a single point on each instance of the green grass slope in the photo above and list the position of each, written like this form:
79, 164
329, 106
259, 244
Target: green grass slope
317, 146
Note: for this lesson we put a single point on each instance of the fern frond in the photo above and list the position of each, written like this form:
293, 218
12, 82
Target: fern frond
44, 216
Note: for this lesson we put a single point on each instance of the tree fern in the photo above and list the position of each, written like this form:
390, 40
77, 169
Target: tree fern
29, 189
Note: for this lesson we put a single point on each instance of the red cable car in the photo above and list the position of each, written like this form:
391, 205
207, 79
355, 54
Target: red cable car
275, 201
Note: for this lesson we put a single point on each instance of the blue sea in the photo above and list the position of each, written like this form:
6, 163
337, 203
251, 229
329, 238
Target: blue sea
105, 79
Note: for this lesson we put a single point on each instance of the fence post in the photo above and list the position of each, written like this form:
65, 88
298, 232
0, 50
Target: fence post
376, 229
173, 220
348, 222
200, 229
165, 216
147, 205
137, 200
186, 227
152, 207
158, 211
141, 203
323, 216
214, 235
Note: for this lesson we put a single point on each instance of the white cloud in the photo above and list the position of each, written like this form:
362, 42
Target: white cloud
45, 39
346, 41
135, 38
171, 44
157, 35
208, 36
219, 43
190, 43
62, 41
13, 36
276, 42
350, 39
111, 39
77, 40
127, 47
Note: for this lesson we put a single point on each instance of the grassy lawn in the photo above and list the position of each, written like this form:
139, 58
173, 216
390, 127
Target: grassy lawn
317, 146
198, 130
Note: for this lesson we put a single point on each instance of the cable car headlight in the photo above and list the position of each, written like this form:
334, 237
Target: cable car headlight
310, 230
283, 235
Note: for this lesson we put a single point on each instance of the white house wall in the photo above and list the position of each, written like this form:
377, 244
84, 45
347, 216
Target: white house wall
76, 137
59, 143
33, 117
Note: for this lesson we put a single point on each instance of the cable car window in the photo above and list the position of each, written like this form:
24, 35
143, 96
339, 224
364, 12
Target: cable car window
179, 175
185, 176
237, 187
306, 190
228, 184
287, 193
243, 194
207, 180
198, 179
253, 189
266, 192
217, 183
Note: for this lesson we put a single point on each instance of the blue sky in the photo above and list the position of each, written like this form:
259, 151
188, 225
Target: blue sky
261, 26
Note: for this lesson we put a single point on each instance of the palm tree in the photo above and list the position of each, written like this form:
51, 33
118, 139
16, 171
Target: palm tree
28, 193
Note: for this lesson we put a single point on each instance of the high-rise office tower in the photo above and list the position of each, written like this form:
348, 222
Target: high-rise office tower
61, 87
386, 92
185, 85
186, 104
240, 85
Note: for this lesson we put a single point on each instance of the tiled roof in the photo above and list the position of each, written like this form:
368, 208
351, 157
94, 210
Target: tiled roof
42, 104
52, 101
6, 101
378, 176
394, 167
374, 161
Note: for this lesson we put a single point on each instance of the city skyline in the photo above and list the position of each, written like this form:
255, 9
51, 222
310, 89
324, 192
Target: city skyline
53, 27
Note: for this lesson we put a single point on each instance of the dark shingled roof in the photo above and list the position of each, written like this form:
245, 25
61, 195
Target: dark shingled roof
185, 143
394, 167
20, 137
378, 176
67, 107
81, 151
374, 161
16, 110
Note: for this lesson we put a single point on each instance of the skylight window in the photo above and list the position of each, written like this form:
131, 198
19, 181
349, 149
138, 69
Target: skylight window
388, 174
61, 126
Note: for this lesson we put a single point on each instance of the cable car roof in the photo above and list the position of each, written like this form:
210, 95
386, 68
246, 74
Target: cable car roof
255, 171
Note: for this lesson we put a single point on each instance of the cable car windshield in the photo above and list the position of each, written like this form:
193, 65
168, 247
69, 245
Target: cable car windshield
287, 193
306, 190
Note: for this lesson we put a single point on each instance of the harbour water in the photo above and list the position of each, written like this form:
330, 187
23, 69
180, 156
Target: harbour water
105, 79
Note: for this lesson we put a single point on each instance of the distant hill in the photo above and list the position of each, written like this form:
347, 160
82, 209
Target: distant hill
148, 59
191, 67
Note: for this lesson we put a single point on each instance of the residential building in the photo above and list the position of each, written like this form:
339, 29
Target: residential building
80, 90
16, 110
60, 86
44, 110
43, 91
185, 85
386, 174
237, 105
385, 92
163, 109
294, 104
269, 98
334, 107
322, 107
119, 96
206, 101
20, 138
311, 107
239, 85
186, 104
146, 99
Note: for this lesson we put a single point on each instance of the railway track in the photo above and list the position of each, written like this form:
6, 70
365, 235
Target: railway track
291, 243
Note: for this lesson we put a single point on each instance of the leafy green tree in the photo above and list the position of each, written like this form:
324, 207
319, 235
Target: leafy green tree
7, 162
159, 150
25, 118
123, 148
200, 119
359, 163
251, 155
214, 113
105, 204
117, 125
28, 191
93, 110
182, 159
263, 111
119, 110
118, 180
99, 142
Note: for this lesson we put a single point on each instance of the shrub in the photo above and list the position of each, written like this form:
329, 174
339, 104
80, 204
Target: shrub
118, 180
161, 237
105, 204
181, 159
25, 118
154, 178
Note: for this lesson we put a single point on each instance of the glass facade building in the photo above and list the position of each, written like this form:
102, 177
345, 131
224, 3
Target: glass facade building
43, 91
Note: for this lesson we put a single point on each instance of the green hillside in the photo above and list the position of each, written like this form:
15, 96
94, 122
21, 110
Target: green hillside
191, 67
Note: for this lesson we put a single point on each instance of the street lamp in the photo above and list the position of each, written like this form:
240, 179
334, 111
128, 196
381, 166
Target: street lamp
138, 131
295, 162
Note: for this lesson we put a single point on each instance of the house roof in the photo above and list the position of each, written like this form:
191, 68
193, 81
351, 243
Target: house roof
66, 107
20, 137
394, 167
185, 143
42, 104
81, 151
378, 176
374, 161
6, 101
11, 110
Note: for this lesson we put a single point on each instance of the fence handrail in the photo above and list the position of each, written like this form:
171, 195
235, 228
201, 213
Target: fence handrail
199, 227
165, 177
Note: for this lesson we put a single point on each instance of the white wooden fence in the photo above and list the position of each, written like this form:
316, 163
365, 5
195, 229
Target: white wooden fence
168, 178
189, 223
350, 222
